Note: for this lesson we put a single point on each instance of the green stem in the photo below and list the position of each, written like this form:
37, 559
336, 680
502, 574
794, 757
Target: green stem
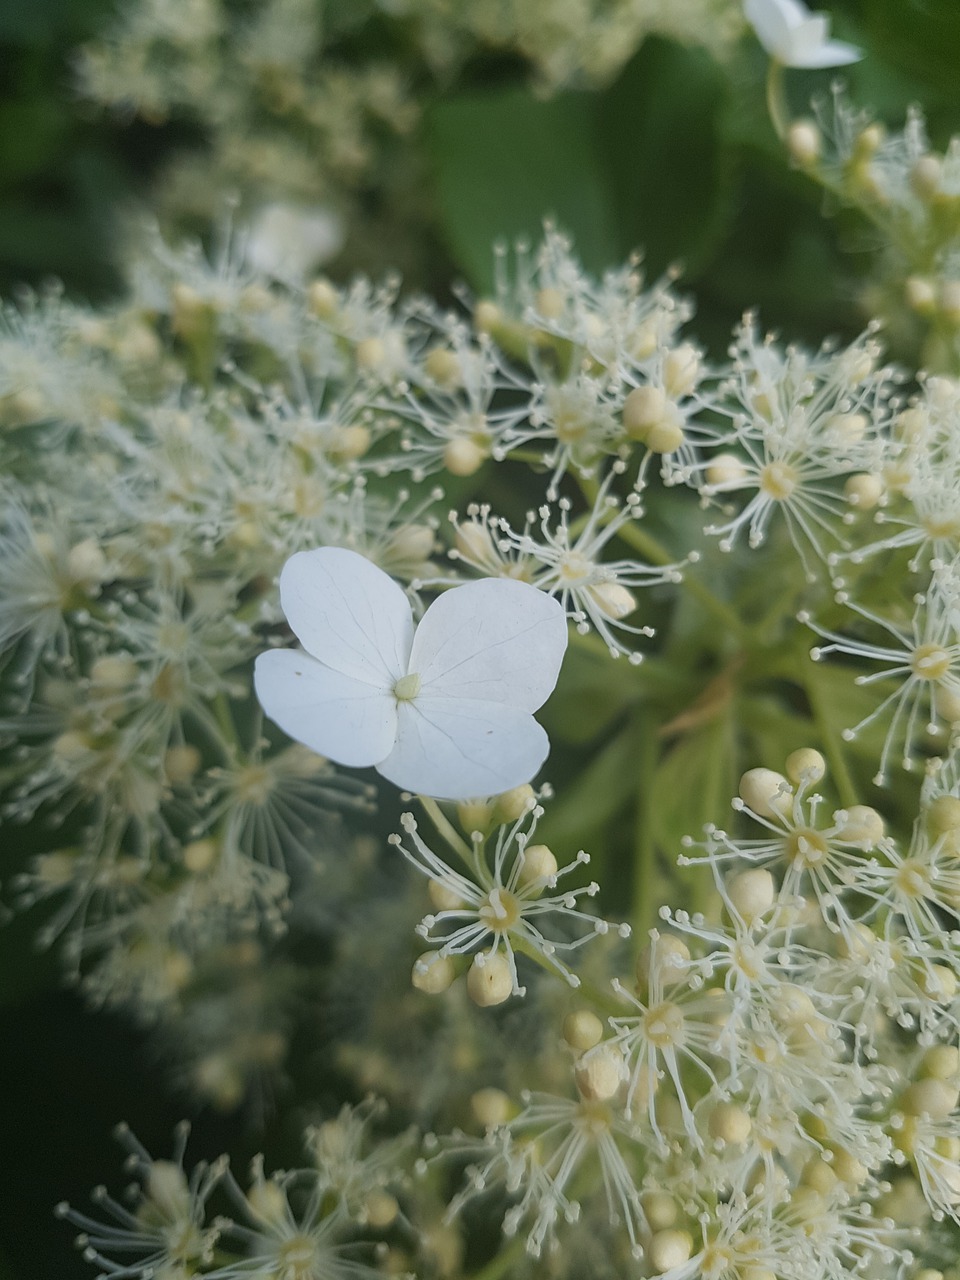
645, 879
777, 99
446, 829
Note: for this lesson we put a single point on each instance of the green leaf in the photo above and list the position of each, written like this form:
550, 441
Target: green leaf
588, 802
658, 131
504, 162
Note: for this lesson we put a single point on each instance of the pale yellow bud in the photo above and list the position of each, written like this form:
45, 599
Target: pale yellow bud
941, 1062
433, 973
726, 470
267, 1202
463, 457
766, 792
931, 1097
730, 1123
114, 671
348, 443
819, 1175
537, 862
168, 1189
322, 299
643, 408
848, 1168
513, 804
582, 1029
489, 980
599, 1073
673, 957
920, 294
925, 176
443, 898
660, 1209
487, 316
806, 765
670, 1248
847, 427
667, 436
410, 542
938, 983
86, 563
804, 142
181, 763
860, 825
200, 856
943, 816
491, 1107
752, 893
550, 303
613, 600
380, 1209
681, 370
474, 815
864, 490
443, 366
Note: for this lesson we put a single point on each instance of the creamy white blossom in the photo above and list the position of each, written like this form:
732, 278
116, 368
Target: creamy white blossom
794, 36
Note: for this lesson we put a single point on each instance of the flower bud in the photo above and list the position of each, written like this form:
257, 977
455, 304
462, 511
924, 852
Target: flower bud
860, 825
599, 1073
730, 1123
489, 980
752, 893
442, 897
463, 457
513, 804
668, 1249
613, 600
537, 862
380, 1209
681, 370
806, 765
863, 490
805, 143
433, 973
766, 792
582, 1029
443, 366
930, 1097
660, 1209
490, 1107
726, 471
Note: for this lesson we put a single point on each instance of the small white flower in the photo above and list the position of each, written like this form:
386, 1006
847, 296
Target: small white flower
795, 37
288, 242
444, 708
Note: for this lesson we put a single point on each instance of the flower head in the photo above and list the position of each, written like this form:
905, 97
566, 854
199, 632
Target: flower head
795, 37
443, 708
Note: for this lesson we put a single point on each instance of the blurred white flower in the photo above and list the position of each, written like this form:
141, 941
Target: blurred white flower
288, 242
795, 37
444, 708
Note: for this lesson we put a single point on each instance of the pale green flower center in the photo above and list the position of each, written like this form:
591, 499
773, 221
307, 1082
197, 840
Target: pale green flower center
407, 687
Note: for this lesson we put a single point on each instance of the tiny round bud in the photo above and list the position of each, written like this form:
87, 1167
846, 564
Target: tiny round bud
613, 600
86, 563
550, 303
371, 353
582, 1029
667, 436
537, 862
948, 705
862, 825
474, 815
487, 316
443, 366
819, 1175
804, 142
730, 1123
322, 299
943, 816
869, 140
200, 855
513, 804
752, 893
938, 983
726, 470
114, 671
863, 490
490, 1107
681, 370
941, 1062
925, 176
920, 294
268, 1202
643, 408
806, 765
767, 793
349, 443
599, 1073
380, 1209
442, 897
661, 1210
489, 980
670, 1248
463, 457
673, 957
433, 973
848, 1168
930, 1097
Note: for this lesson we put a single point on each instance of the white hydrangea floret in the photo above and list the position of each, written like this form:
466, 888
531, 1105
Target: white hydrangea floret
443, 708
795, 37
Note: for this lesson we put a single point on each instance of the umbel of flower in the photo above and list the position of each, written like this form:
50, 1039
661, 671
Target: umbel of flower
795, 37
443, 708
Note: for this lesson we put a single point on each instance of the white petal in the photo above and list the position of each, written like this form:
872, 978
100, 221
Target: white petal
832, 53
348, 613
454, 750
495, 640
773, 21
347, 720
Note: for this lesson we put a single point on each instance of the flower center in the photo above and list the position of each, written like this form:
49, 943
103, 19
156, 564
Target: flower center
930, 662
806, 847
664, 1025
500, 912
778, 480
407, 687
574, 567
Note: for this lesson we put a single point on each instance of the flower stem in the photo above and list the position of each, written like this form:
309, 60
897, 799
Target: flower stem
446, 829
777, 99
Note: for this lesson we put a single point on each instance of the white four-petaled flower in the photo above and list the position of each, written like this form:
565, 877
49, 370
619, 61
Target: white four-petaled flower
443, 708
795, 37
